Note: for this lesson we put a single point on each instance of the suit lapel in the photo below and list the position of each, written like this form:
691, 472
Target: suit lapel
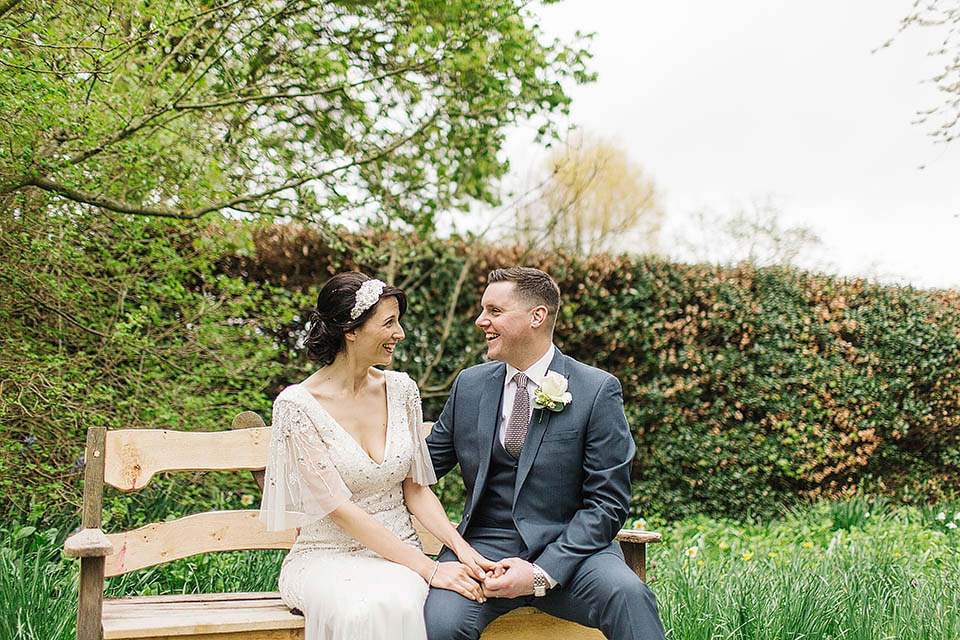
539, 422
488, 419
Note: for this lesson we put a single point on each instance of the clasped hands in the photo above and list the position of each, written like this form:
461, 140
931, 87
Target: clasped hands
478, 578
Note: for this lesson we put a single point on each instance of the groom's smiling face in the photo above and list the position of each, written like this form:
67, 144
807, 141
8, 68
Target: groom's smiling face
506, 323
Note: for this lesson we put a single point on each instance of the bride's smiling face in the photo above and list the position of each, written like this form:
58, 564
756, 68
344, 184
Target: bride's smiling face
375, 340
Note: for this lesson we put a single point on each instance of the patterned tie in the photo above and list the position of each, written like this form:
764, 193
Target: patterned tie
519, 419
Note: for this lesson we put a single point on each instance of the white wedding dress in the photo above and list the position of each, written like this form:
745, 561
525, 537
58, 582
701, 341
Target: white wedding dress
344, 590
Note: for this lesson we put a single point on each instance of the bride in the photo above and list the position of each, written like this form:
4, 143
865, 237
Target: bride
347, 466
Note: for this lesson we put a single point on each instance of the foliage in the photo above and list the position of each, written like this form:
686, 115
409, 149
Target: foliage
798, 577
773, 382
38, 590
942, 17
117, 323
789, 577
754, 232
592, 199
745, 387
178, 109
856, 510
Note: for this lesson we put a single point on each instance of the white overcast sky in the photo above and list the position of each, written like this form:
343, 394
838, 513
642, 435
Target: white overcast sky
726, 102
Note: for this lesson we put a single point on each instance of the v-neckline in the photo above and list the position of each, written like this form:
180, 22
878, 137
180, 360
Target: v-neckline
386, 435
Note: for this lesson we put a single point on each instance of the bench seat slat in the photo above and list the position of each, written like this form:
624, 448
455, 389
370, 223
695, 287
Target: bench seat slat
175, 616
198, 616
527, 623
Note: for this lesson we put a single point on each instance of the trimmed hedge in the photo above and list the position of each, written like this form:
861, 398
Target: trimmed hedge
745, 388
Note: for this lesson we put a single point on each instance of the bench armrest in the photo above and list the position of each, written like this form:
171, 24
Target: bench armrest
636, 536
88, 543
633, 542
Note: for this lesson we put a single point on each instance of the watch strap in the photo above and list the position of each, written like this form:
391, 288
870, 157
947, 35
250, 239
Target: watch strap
539, 582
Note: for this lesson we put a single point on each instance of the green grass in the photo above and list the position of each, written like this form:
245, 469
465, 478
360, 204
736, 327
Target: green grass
38, 588
858, 570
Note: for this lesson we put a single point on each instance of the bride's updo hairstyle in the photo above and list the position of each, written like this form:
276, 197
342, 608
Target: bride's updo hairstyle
337, 303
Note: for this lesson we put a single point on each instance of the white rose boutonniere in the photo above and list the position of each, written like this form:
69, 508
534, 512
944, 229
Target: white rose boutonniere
552, 393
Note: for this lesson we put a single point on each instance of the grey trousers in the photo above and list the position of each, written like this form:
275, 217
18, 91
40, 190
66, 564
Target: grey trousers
603, 593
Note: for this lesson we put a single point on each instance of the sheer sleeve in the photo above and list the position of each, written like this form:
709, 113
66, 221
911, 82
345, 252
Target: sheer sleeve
421, 468
301, 484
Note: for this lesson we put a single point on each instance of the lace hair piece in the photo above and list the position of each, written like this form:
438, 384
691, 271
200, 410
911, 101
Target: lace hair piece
367, 295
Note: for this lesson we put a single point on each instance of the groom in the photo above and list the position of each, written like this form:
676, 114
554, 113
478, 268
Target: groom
547, 488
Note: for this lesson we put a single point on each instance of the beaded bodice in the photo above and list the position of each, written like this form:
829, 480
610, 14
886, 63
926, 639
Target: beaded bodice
376, 488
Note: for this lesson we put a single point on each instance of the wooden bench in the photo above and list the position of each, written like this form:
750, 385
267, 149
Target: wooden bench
128, 458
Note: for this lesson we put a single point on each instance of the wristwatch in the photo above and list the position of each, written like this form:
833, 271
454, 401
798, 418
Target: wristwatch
539, 582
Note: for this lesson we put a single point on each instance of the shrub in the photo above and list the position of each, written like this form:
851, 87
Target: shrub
745, 388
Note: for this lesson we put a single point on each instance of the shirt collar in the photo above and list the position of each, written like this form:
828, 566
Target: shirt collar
537, 370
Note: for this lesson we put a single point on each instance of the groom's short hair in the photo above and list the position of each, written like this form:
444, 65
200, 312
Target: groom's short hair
532, 285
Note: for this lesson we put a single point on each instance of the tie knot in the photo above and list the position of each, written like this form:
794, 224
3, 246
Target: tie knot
520, 379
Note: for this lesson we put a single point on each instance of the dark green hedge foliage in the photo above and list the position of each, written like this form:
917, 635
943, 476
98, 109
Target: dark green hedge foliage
745, 388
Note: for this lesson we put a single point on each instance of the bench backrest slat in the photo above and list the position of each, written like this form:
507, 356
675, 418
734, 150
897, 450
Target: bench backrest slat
133, 456
199, 533
205, 532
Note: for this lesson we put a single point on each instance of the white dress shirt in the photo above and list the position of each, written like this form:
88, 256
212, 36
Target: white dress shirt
535, 373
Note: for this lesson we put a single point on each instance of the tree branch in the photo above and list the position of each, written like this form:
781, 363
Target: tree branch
8, 6
63, 314
118, 206
104, 202
303, 94
447, 323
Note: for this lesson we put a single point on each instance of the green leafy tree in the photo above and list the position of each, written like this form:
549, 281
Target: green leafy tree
304, 108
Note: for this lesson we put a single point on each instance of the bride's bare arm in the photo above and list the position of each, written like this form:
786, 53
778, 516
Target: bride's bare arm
366, 530
424, 504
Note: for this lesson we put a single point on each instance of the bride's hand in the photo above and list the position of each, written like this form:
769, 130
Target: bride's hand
477, 564
456, 576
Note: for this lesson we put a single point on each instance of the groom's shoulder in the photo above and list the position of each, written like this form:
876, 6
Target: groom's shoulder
586, 371
481, 370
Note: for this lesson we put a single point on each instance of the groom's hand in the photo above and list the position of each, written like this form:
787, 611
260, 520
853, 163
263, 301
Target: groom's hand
514, 579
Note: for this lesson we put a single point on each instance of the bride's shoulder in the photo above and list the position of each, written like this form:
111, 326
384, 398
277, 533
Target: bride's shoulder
292, 394
397, 376
401, 379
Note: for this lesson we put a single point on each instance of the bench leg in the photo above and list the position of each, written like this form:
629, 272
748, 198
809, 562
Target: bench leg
90, 609
635, 554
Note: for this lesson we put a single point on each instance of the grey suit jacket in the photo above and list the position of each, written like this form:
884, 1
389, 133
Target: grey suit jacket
573, 479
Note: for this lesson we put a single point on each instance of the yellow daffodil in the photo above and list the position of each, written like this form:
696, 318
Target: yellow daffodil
747, 556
